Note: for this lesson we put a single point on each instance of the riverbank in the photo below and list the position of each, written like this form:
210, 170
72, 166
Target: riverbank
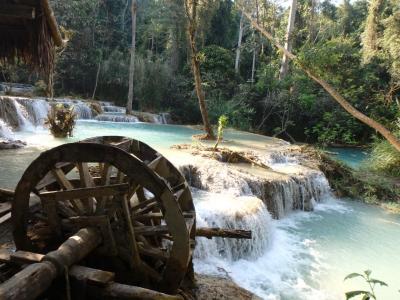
359, 183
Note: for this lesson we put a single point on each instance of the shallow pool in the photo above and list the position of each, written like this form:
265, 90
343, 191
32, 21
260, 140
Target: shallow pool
309, 253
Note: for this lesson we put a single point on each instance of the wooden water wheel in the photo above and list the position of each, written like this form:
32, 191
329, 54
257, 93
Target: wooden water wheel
138, 199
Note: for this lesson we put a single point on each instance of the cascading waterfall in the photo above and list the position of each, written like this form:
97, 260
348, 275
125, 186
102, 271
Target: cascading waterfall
37, 110
113, 117
5, 131
229, 211
271, 263
23, 117
81, 109
113, 109
282, 194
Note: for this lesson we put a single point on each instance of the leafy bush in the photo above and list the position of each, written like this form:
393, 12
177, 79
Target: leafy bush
222, 123
40, 88
385, 158
61, 121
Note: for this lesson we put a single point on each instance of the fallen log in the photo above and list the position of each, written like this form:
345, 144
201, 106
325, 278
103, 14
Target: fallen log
99, 283
127, 292
32, 281
226, 233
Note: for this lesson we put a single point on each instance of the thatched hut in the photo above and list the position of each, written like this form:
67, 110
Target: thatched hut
28, 33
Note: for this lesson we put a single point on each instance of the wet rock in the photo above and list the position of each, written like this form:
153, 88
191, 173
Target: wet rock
11, 144
219, 288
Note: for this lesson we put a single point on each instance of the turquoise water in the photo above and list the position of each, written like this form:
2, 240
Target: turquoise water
353, 157
310, 253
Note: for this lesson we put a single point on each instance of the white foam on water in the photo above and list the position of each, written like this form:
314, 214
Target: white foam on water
40, 109
23, 117
286, 267
5, 130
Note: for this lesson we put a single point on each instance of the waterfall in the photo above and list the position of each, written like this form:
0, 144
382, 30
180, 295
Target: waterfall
113, 117
82, 109
231, 212
37, 109
162, 118
282, 191
23, 117
5, 131
113, 108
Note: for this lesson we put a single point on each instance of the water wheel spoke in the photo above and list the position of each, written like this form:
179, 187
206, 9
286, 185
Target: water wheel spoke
88, 192
105, 179
124, 144
63, 181
151, 230
120, 177
50, 179
154, 252
50, 209
144, 204
87, 181
131, 233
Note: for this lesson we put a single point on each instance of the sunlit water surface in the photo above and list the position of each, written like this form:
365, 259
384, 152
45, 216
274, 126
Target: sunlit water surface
353, 157
308, 254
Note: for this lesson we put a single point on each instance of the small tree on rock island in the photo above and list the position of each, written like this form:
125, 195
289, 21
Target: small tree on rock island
132, 63
191, 14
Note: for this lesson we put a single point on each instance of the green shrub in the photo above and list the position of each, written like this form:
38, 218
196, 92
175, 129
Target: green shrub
384, 158
61, 121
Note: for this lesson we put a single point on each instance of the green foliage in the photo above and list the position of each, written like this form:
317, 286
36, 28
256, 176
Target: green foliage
384, 158
371, 284
222, 123
334, 129
61, 121
327, 39
40, 88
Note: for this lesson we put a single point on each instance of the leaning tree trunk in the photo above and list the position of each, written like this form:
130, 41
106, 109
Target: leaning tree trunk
391, 138
132, 63
288, 43
191, 12
239, 45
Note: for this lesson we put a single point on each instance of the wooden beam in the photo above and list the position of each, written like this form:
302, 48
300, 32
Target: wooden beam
17, 11
32, 281
226, 233
6, 195
128, 292
82, 193
91, 276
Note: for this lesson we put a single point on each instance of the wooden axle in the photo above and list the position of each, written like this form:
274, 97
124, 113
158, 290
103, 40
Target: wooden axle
38, 277
98, 284
225, 233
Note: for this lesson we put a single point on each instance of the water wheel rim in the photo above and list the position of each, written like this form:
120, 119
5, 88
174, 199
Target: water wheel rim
175, 267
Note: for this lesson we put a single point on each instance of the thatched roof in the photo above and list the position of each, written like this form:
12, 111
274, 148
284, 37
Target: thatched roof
28, 33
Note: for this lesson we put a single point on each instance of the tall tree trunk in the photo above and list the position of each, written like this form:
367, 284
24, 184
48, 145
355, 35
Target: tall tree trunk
132, 63
191, 12
97, 80
253, 65
239, 45
288, 40
391, 138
